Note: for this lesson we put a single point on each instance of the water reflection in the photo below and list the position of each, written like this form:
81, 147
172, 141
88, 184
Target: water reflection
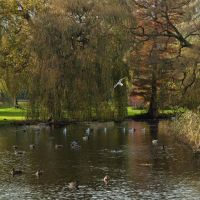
153, 128
137, 168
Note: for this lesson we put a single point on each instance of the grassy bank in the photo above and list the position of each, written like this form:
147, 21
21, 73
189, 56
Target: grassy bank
12, 114
135, 112
141, 113
16, 114
187, 128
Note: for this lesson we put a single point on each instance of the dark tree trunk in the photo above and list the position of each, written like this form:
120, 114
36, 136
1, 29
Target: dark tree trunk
153, 107
153, 129
14, 101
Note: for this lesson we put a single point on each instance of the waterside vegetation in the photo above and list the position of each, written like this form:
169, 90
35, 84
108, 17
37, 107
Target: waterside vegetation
187, 128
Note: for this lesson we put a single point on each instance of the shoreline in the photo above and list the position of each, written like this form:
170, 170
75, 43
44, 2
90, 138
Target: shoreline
60, 123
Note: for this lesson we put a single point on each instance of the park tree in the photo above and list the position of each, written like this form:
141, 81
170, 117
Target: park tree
80, 53
189, 83
152, 74
163, 26
16, 23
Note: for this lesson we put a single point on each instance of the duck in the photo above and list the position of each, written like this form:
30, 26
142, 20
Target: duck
146, 164
131, 130
73, 185
19, 152
58, 146
106, 179
16, 172
32, 146
75, 145
65, 131
154, 142
38, 173
87, 131
15, 147
116, 151
124, 130
85, 138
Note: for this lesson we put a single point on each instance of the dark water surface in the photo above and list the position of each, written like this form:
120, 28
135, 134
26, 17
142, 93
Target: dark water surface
137, 168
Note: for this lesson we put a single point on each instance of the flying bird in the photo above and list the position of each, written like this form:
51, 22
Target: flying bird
119, 82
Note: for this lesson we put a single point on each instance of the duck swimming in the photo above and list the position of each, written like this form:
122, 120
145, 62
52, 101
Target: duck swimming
38, 173
106, 179
15, 147
65, 131
154, 142
58, 146
131, 130
73, 185
32, 146
74, 145
19, 152
85, 138
16, 172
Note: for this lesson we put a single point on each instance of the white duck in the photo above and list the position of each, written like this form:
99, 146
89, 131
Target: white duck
154, 142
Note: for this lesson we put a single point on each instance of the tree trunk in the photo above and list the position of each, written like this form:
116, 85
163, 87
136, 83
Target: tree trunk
153, 107
14, 100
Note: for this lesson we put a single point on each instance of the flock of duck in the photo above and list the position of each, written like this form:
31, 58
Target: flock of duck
74, 145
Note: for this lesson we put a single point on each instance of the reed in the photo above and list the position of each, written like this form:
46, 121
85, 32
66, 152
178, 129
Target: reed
187, 128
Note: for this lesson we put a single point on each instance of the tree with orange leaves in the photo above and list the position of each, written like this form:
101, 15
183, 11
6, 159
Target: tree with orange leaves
162, 37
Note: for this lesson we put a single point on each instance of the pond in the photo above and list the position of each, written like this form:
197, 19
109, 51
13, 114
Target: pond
138, 169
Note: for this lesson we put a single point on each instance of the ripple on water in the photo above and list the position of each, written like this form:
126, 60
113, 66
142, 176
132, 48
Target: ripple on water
170, 175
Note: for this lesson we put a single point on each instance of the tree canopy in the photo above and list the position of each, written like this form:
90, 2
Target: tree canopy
66, 55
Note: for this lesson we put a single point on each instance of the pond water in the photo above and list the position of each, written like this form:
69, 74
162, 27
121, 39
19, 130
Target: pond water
137, 168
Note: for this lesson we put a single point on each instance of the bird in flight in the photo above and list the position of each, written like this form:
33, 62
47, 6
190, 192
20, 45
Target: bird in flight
119, 82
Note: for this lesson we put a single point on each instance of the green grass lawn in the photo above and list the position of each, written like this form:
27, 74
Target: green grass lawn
135, 112
132, 112
172, 111
12, 113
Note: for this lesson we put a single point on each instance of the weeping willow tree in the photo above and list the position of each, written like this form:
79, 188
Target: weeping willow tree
80, 50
